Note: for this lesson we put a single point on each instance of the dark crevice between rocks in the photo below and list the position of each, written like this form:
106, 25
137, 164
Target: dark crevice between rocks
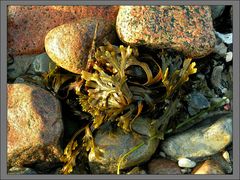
223, 23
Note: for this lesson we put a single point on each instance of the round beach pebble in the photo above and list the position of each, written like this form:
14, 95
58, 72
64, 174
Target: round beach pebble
188, 29
186, 163
200, 141
114, 143
34, 127
68, 45
163, 166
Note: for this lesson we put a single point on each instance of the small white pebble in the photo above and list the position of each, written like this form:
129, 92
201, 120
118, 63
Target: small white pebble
229, 56
226, 156
227, 100
186, 163
162, 154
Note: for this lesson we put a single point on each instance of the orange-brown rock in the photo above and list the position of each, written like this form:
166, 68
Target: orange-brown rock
28, 25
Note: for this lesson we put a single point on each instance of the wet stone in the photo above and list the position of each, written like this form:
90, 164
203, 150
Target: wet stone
196, 102
163, 166
217, 11
20, 66
34, 127
115, 143
208, 167
188, 29
42, 63
68, 45
21, 171
200, 141
29, 65
137, 171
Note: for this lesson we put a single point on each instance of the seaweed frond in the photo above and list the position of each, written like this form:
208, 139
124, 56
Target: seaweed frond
70, 153
178, 77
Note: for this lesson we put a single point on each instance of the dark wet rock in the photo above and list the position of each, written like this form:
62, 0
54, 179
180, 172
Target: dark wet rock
223, 163
220, 49
208, 167
21, 171
28, 25
20, 66
196, 102
163, 166
205, 139
34, 127
115, 143
188, 29
220, 80
217, 10
68, 45
29, 65
137, 171
42, 64
231, 15
201, 85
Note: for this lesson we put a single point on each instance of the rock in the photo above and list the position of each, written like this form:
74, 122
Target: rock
162, 154
226, 38
21, 171
186, 163
163, 166
196, 102
229, 56
34, 127
200, 141
42, 64
226, 156
68, 45
29, 64
217, 11
186, 170
136, 171
220, 49
208, 167
20, 66
32, 80
188, 29
28, 25
115, 143
223, 163
218, 80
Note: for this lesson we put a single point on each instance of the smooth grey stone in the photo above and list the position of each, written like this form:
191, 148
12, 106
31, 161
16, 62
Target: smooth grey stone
201, 141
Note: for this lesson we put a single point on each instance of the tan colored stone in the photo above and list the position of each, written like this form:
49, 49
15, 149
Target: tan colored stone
68, 45
208, 167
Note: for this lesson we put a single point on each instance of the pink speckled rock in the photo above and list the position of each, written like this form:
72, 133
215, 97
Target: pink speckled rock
28, 25
187, 29
34, 127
